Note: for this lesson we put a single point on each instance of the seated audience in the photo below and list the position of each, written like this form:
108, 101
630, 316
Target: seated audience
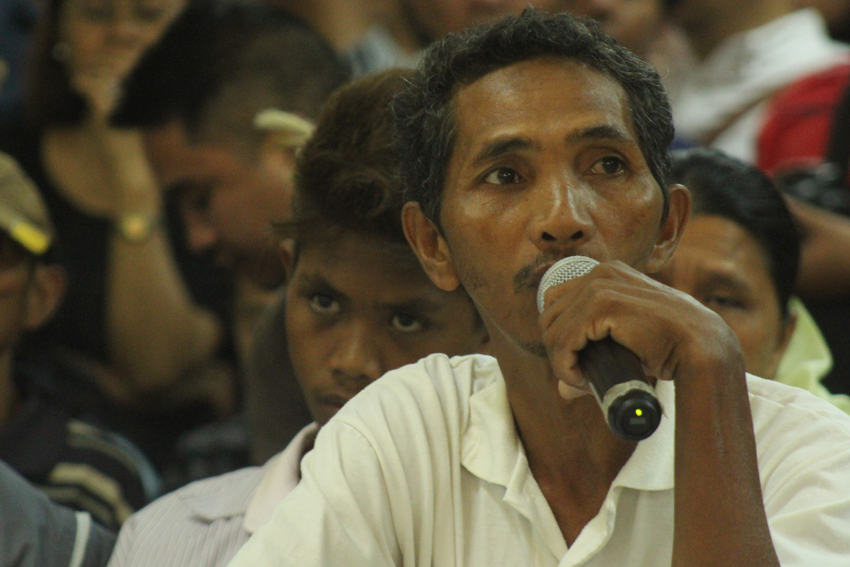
739, 257
357, 305
127, 350
805, 145
639, 25
378, 35
35, 532
195, 95
75, 463
106, 205
522, 143
746, 52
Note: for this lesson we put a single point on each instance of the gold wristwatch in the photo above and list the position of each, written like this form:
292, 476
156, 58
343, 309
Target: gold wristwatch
136, 228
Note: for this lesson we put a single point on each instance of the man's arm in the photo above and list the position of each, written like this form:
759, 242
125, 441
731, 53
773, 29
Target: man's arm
824, 262
719, 514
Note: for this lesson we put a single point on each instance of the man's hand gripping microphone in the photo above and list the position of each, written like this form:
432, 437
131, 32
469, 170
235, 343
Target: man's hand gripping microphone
615, 373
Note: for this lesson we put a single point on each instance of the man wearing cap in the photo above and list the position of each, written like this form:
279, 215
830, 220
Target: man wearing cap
74, 463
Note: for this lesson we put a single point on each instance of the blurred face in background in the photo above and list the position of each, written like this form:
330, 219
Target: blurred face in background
633, 23
30, 290
101, 40
228, 199
723, 266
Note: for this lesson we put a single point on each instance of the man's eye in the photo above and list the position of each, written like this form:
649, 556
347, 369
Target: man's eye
324, 304
406, 323
503, 176
608, 165
722, 302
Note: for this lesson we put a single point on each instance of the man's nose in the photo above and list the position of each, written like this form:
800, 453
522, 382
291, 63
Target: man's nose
356, 359
200, 234
561, 215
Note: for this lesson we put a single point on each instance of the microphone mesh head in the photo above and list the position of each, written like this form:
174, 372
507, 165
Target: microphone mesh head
563, 270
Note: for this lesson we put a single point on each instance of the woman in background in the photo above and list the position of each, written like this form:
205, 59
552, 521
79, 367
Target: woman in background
129, 325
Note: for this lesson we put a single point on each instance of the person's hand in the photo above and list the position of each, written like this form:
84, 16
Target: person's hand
670, 332
99, 82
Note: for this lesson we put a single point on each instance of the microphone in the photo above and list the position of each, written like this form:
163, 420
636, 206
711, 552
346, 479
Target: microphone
615, 373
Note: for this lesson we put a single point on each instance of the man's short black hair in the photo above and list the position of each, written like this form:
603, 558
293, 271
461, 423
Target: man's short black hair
726, 187
424, 111
223, 61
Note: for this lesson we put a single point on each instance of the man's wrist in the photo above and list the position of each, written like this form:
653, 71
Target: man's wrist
136, 227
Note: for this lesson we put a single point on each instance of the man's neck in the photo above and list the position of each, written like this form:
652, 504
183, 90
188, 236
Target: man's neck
707, 33
571, 452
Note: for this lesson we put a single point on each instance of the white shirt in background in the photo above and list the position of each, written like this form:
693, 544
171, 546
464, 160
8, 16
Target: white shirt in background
748, 68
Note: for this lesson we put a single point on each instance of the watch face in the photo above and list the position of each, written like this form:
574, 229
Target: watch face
136, 227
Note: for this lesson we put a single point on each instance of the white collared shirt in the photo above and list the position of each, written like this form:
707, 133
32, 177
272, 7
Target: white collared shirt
750, 67
424, 467
205, 523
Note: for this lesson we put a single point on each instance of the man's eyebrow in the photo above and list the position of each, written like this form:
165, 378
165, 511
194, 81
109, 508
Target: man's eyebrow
418, 305
498, 148
602, 132
715, 278
316, 282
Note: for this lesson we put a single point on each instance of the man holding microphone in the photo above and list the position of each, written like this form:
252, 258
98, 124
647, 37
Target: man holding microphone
523, 143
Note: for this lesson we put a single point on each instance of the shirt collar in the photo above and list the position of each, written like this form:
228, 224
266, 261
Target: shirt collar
280, 475
492, 450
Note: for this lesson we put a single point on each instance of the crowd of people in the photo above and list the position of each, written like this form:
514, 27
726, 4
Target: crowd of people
269, 275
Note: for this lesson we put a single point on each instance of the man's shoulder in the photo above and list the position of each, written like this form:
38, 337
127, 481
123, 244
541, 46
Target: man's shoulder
204, 514
206, 500
785, 414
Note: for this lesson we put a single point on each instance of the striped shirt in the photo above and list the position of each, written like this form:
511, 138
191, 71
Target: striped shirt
205, 523
76, 464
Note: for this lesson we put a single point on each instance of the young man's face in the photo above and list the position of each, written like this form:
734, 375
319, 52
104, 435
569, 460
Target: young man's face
358, 306
228, 202
546, 164
724, 267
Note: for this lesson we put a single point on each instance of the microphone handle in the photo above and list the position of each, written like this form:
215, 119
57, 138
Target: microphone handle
619, 383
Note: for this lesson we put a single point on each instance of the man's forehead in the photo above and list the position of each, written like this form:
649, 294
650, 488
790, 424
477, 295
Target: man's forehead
527, 78
514, 100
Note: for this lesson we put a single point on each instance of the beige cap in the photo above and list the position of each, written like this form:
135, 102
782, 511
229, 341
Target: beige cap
22, 212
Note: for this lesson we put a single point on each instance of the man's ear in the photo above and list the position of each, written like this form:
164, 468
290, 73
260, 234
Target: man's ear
671, 230
44, 295
430, 247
